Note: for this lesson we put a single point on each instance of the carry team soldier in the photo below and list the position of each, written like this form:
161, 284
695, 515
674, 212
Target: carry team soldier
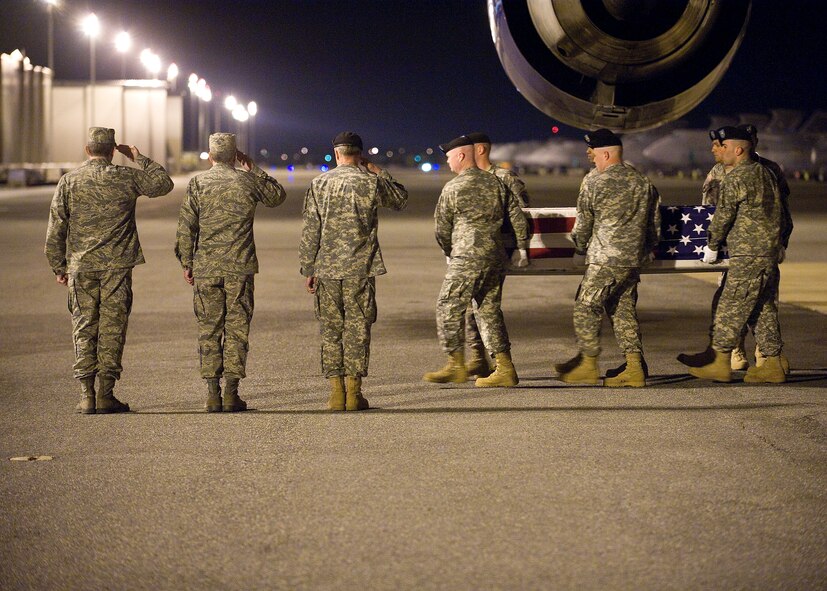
92, 245
469, 218
217, 251
340, 258
749, 217
477, 363
616, 228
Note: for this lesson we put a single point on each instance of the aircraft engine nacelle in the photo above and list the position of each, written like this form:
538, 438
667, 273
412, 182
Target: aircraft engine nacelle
628, 65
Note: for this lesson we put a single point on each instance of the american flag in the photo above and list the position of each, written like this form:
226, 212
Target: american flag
683, 236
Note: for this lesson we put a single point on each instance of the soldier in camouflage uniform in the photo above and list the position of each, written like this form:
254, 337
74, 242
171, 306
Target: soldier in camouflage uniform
616, 228
710, 192
469, 218
477, 362
750, 217
218, 253
340, 258
92, 245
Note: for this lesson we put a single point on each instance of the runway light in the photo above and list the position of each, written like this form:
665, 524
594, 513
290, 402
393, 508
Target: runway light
304, 150
374, 150
230, 103
435, 167
283, 157
389, 153
426, 167
328, 157
417, 158
429, 151
123, 42
252, 108
324, 168
204, 155
91, 26
555, 129
290, 168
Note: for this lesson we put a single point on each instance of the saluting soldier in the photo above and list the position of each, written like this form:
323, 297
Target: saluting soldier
750, 218
340, 258
92, 245
616, 228
218, 254
469, 218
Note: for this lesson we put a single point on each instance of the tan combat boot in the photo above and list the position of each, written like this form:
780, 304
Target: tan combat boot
454, 370
504, 375
718, 370
738, 360
232, 402
477, 364
86, 405
337, 393
759, 360
213, 403
581, 369
355, 400
769, 372
105, 401
632, 374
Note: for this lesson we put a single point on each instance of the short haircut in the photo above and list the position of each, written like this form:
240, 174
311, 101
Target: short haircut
223, 158
103, 150
347, 150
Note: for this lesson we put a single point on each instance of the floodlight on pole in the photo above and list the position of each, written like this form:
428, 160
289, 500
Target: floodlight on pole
50, 8
230, 102
192, 82
240, 113
252, 108
172, 72
123, 43
91, 28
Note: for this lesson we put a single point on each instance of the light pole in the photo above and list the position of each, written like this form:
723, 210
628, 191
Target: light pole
91, 28
241, 115
252, 109
123, 42
50, 8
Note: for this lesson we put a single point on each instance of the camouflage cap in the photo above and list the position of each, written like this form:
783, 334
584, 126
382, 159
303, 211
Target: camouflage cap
222, 145
101, 136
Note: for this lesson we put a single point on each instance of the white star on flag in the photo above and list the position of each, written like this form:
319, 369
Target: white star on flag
699, 229
699, 208
672, 229
672, 250
699, 250
672, 208
709, 217
685, 240
685, 218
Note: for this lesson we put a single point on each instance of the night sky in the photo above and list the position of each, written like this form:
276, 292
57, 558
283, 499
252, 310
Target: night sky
408, 73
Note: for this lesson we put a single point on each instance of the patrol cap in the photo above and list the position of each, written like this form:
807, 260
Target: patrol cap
602, 138
457, 142
751, 130
479, 138
348, 138
222, 146
101, 136
733, 133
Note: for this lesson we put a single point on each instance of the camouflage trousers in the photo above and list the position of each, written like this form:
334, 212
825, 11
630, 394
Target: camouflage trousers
100, 302
473, 338
346, 309
613, 290
224, 308
481, 289
749, 296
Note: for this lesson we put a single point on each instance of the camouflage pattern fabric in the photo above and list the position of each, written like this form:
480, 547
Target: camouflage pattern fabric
748, 215
223, 146
345, 308
784, 195
341, 222
100, 302
473, 338
712, 184
613, 289
224, 308
469, 218
458, 290
215, 224
92, 216
749, 294
618, 221
514, 183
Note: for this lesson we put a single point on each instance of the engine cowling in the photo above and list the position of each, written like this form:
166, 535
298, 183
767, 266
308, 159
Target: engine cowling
628, 65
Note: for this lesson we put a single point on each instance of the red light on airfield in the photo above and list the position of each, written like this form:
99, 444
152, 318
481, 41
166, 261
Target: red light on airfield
555, 129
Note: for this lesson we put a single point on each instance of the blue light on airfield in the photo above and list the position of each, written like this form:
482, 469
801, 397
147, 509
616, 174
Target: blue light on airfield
435, 167
417, 158
290, 168
324, 168
426, 167
328, 157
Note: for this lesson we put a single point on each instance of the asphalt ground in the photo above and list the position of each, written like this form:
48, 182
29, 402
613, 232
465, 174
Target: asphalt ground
685, 484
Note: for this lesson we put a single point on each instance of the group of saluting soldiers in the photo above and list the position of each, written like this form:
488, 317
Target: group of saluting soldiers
92, 245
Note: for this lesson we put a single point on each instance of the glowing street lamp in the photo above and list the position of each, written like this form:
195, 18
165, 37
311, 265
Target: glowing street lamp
230, 103
252, 109
123, 43
91, 27
151, 61
172, 72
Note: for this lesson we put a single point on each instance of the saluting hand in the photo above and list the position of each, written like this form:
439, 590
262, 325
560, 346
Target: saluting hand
245, 161
62, 279
130, 152
370, 166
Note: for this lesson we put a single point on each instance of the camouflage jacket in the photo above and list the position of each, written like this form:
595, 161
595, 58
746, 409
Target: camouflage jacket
469, 218
712, 185
215, 224
749, 213
784, 194
514, 183
341, 222
618, 221
92, 216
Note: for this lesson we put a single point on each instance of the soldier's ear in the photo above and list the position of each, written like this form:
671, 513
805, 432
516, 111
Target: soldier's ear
86, 149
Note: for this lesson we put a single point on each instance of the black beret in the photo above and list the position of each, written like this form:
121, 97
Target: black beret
348, 138
751, 130
479, 138
713, 135
602, 138
462, 140
733, 133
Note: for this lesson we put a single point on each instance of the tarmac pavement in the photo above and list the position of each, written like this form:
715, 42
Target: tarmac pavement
685, 484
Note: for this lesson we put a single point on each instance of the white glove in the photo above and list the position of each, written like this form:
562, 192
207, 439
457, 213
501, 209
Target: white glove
578, 260
519, 258
782, 254
447, 260
710, 256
